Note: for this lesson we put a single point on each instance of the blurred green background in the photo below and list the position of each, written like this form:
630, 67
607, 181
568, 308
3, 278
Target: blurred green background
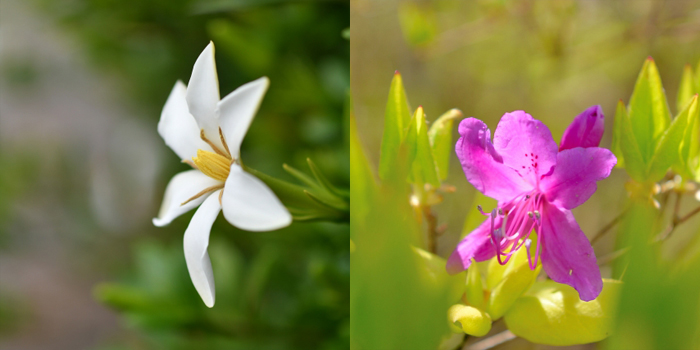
552, 59
82, 83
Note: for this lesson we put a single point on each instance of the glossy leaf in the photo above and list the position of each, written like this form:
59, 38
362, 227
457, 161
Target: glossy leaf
472, 320
396, 120
424, 170
648, 110
689, 144
517, 278
667, 150
475, 288
552, 313
440, 135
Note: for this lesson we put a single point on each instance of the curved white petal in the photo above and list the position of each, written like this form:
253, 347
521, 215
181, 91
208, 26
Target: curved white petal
182, 187
203, 94
250, 205
196, 242
237, 110
177, 126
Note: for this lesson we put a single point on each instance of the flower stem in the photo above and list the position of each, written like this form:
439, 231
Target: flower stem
492, 341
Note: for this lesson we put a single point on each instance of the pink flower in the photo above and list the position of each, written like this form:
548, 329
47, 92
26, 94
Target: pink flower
536, 184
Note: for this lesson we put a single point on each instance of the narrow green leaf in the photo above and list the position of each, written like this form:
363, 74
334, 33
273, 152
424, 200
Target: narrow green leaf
648, 110
634, 164
689, 143
517, 278
620, 112
687, 88
472, 320
299, 175
396, 120
323, 181
364, 186
551, 313
440, 135
475, 288
423, 168
667, 150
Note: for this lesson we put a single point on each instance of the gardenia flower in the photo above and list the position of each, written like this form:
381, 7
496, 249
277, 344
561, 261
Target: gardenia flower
206, 133
536, 187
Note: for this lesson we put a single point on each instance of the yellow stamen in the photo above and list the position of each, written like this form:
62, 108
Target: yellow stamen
213, 165
203, 192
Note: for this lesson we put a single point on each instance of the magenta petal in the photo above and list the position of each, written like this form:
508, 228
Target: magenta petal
574, 178
476, 245
567, 256
483, 166
585, 131
526, 145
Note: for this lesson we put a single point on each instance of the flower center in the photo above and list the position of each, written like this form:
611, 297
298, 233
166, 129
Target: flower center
519, 218
216, 165
212, 164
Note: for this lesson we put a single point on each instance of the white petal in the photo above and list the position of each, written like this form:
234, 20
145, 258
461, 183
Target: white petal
203, 94
237, 109
250, 205
196, 242
178, 127
182, 187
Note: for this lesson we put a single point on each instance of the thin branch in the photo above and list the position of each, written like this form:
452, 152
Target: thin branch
431, 220
677, 220
492, 341
607, 227
688, 216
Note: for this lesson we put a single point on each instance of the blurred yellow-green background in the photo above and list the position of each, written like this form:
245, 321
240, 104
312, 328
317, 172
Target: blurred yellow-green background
552, 59
82, 83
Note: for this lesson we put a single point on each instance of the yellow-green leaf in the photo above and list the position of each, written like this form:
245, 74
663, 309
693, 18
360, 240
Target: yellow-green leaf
424, 170
472, 320
686, 89
396, 120
620, 112
668, 148
552, 313
517, 278
648, 110
434, 268
440, 135
689, 145
475, 288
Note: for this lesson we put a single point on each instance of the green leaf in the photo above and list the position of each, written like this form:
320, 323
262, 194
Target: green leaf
418, 23
423, 167
475, 288
517, 278
472, 320
552, 313
396, 120
648, 110
435, 270
667, 150
440, 135
687, 88
634, 163
620, 113
690, 140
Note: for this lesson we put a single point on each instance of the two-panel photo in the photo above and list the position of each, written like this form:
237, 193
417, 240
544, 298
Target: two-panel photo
349, 175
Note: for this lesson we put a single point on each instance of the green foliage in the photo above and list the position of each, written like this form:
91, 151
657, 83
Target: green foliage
424, 170
396, 120
552, 313
475, 288
659, 304
440, 135
646, 145
418, 23
390, 278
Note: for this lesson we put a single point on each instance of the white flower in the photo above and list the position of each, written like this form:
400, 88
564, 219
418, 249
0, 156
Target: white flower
206, 133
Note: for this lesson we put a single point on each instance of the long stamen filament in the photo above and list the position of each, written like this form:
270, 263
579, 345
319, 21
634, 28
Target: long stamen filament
213, 146
203, 192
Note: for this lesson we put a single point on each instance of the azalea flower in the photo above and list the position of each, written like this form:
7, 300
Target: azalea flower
206, 133
536, 185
